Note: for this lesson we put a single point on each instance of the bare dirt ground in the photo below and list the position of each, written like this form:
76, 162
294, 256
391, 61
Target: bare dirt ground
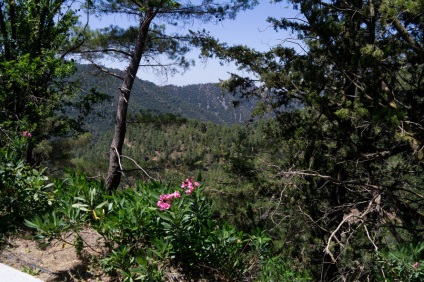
57, 261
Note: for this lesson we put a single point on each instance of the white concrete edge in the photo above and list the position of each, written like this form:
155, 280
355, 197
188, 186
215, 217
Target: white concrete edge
10, 274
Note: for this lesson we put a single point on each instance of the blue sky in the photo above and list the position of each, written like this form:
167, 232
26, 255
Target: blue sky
249, 28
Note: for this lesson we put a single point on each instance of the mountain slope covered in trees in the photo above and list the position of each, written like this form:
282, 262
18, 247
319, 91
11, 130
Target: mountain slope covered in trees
203, 102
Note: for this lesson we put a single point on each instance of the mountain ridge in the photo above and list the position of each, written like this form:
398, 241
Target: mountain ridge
203, 102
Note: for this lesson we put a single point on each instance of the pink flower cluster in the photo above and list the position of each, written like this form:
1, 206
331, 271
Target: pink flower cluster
416, 265
189, 185
26, 134
165, 200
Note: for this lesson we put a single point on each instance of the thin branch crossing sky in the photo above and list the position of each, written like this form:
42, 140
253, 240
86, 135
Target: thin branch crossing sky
250, 28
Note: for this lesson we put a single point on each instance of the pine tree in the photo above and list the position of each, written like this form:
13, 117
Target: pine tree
147, 41
350, 109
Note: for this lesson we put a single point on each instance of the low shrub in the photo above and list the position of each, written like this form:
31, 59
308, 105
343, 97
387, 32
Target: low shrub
24, 191
152, 227
402, 262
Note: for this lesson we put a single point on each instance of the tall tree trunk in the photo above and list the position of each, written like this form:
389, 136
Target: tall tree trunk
115, 170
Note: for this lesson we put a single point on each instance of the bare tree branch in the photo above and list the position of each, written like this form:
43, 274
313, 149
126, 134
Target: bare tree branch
105, 70
359, 217
105, 50
122, 156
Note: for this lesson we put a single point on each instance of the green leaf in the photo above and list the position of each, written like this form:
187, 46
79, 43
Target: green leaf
80, 206
101, 205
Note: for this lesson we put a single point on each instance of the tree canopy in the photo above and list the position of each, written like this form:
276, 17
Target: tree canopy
349, 102
36, 94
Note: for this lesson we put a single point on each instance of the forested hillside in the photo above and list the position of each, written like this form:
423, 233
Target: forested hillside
167, 146
203, 102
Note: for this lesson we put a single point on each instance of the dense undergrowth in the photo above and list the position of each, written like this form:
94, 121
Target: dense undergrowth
241, 224
146, 229
152, 227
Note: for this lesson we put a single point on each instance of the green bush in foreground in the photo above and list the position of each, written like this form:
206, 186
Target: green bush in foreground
24, 191
152, 227
402, 262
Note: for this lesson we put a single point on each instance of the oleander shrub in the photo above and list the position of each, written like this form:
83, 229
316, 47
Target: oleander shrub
153, 227
401, 262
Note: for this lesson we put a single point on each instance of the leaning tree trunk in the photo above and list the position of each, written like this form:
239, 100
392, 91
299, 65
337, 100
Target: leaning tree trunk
115, 170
